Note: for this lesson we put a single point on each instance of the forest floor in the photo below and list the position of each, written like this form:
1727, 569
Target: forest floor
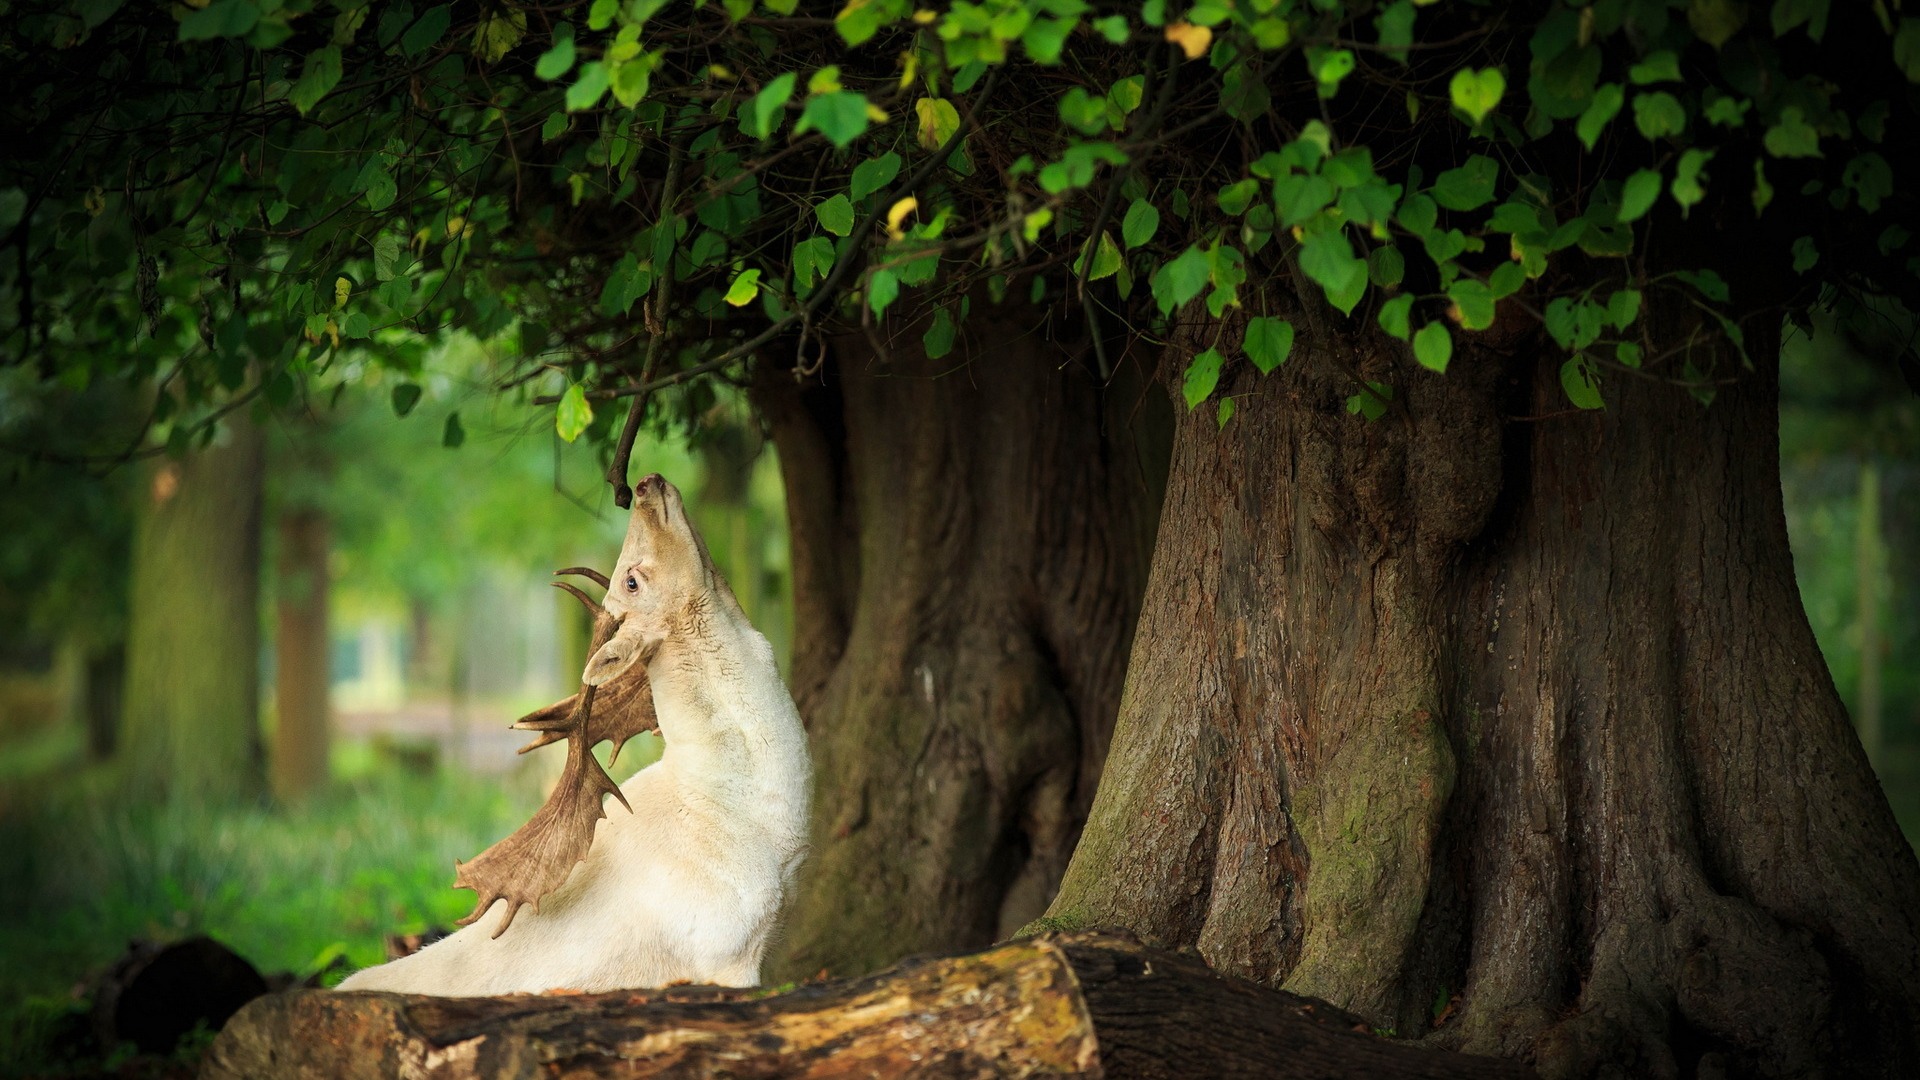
312, 889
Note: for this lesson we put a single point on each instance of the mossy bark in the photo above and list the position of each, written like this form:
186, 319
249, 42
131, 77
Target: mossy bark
1502, 723
970, 540
191, 703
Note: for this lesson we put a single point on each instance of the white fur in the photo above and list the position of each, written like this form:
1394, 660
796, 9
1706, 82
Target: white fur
690, 885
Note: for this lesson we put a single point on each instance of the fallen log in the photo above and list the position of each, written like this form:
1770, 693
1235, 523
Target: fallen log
1080, 1005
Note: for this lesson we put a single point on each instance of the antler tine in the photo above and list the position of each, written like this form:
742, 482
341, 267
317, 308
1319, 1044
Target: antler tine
579, 595
587, 572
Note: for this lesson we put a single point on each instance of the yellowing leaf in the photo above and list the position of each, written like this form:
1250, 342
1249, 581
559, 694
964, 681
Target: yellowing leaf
877, 114
342, 288
938, 121
1193, 40
898, 213
574, 413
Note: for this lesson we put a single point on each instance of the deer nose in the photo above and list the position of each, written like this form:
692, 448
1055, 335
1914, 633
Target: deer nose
648, 483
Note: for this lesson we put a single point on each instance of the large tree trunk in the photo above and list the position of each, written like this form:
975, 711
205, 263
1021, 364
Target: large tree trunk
301, 654
970, 541
193, 639
1503, 721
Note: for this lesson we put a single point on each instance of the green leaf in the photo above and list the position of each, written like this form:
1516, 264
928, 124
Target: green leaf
1906, 48
1477, 93
386, 256
1395, 27
1581, 384
745, 286
1623, 307
1658, 67
1474, 302
1141, 222
1792, 136
1237, 196
875, 173
1395, 316
1469, 186
573, 414
812, 258
1433, 347
1371, 401
761, 117
1180, 280
1106, 259
1386, 267
1506, 279
835, 215
1659, 114
1689, 179
1327, 259
1638, 195
377, 184
222, 19
558, 60
1716, 20
1083, 112
1607, 99
452, 435
427, 30
1225, 412
1788, 14
1203, 375
1329, 66
1113, 28
861, 19
841, 116
1869, 177
1268, 342
1708, 283
1805, 255
320, 75
499, 31
588, 87
938, 340
405, 396
1045, 38
882, 290
1301, 196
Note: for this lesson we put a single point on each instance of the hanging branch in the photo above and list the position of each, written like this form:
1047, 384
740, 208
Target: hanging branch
657, 318
642, 390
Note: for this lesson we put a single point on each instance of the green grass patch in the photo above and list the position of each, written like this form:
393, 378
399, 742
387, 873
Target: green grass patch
82, 872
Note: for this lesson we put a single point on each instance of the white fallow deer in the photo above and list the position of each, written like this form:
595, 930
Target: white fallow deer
687, 887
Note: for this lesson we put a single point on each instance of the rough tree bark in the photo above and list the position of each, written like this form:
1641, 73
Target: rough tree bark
193, 639
970, 539
1070, 1006
301, 655
1503, 723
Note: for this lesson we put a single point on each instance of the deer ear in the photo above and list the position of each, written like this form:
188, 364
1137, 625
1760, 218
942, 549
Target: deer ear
621, 652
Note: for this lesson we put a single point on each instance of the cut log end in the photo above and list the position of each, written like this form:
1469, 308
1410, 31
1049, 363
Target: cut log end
1060, 1005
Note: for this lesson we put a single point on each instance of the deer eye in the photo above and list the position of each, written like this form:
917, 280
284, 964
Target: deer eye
633, 585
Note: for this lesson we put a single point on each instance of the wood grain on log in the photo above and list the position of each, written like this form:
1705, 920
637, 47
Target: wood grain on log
1086, 1005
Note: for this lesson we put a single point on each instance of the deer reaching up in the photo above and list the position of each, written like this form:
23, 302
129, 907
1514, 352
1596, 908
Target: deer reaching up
689, 885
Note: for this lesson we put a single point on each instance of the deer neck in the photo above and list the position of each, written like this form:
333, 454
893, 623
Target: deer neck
724, 713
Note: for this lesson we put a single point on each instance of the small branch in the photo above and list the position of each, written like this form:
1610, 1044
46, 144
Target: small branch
662, 300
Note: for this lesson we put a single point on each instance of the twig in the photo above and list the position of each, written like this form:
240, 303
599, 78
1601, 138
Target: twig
662, 299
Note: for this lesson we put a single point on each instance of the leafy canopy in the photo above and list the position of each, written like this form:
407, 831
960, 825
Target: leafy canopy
243, 199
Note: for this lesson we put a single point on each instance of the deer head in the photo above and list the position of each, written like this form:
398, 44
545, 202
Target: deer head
663, 585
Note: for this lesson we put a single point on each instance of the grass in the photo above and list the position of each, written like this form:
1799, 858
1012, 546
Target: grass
290, 889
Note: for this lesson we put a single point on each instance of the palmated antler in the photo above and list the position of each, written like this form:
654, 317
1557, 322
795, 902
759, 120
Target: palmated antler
537, 858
